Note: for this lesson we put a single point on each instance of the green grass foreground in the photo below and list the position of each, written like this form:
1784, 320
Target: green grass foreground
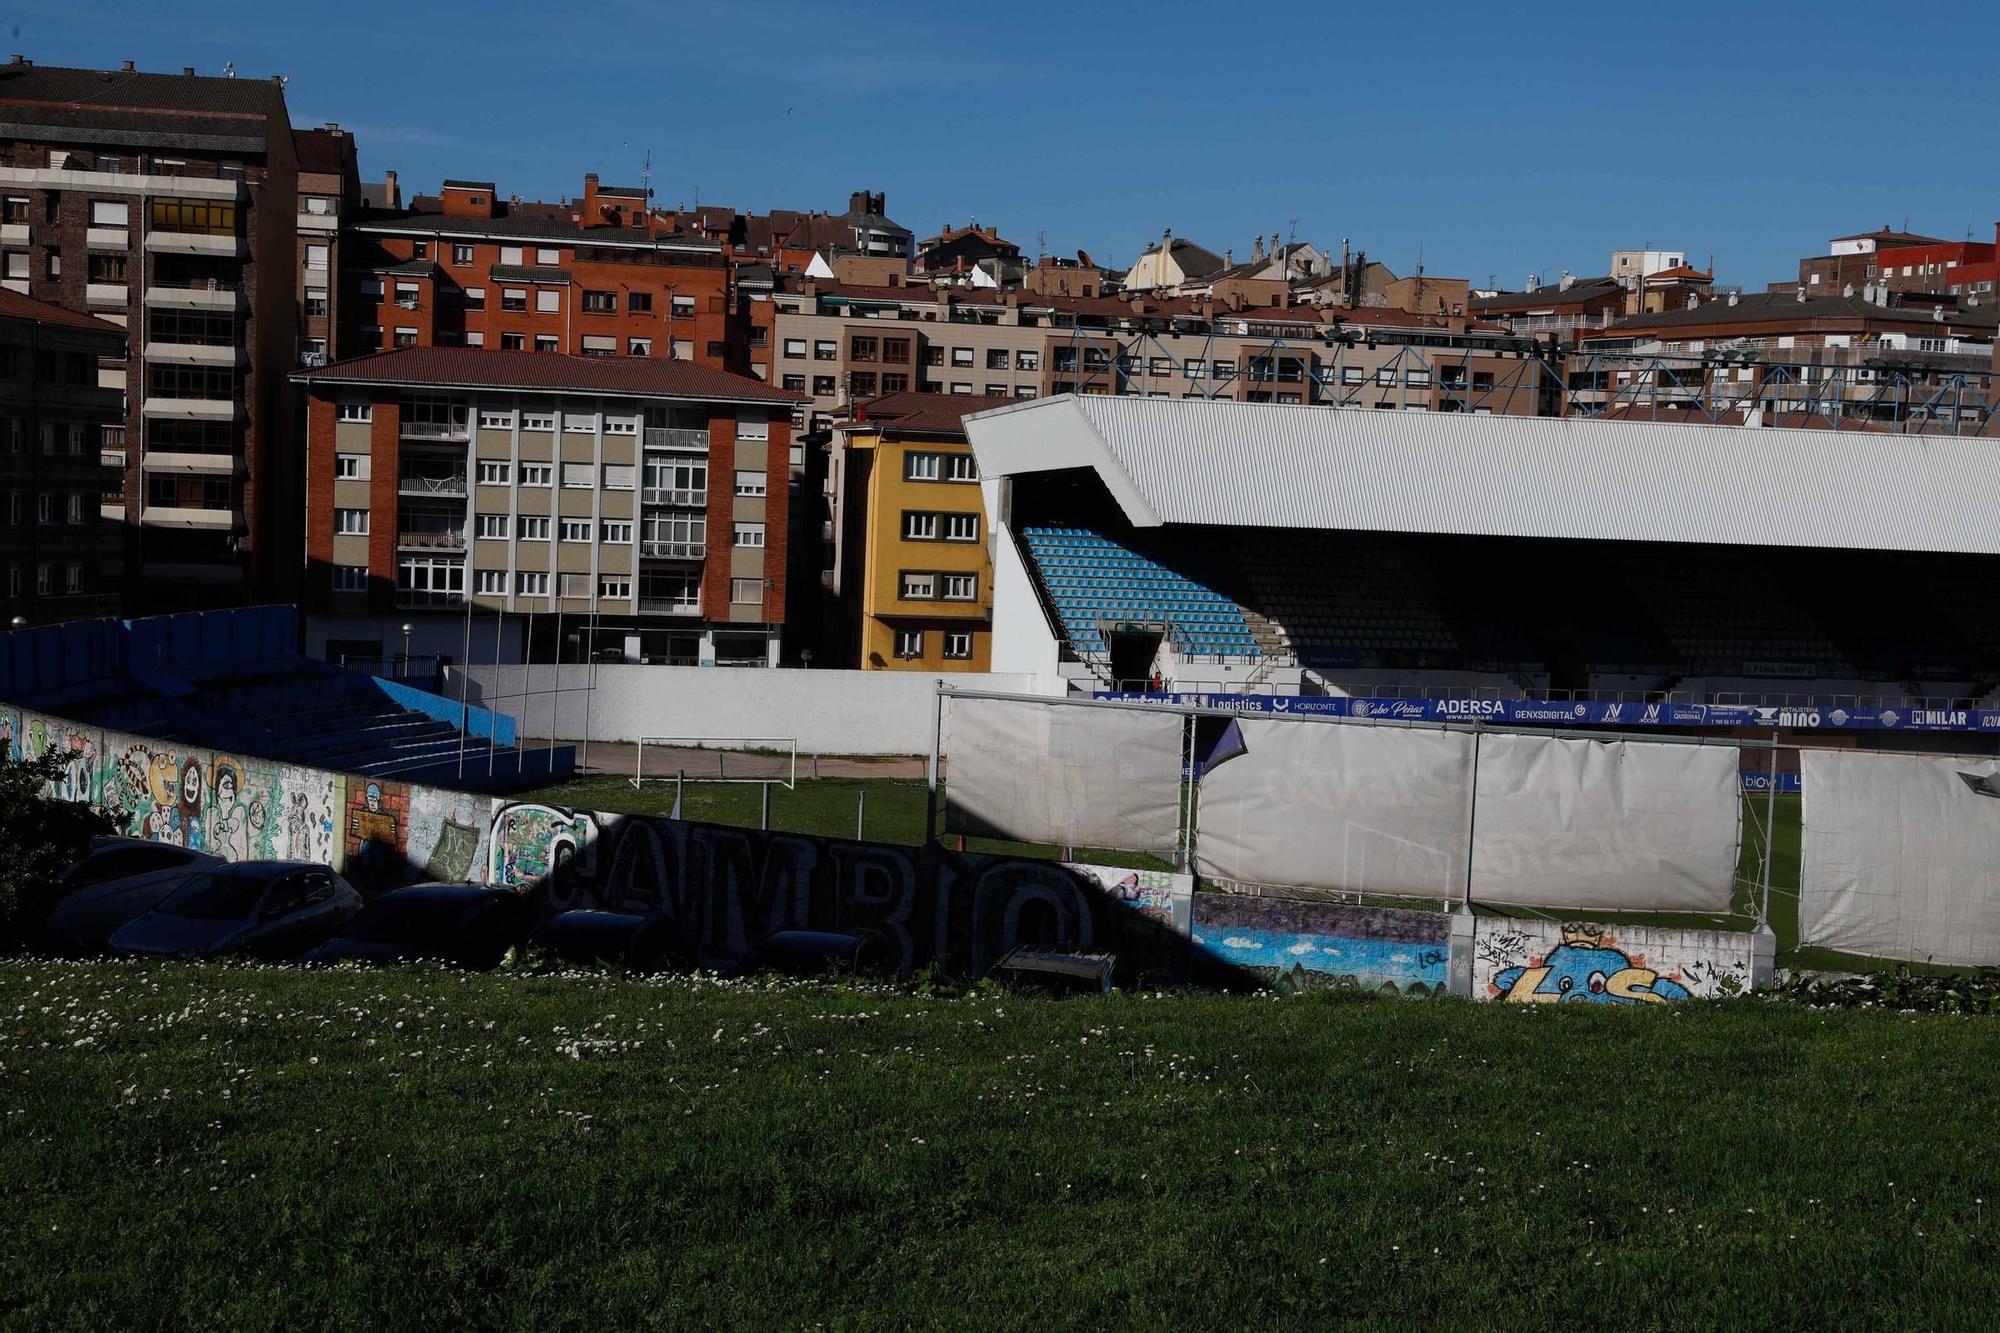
241, 1148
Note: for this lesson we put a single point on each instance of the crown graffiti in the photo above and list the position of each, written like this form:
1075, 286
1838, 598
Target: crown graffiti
1590, 937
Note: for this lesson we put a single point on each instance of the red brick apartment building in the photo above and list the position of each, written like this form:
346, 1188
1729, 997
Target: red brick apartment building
645, 500
166, 204
598, 276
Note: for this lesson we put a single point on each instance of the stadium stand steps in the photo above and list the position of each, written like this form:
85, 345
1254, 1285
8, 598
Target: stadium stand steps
1093, 582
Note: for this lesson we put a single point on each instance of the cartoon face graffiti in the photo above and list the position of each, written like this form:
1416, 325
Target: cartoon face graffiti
1586, 967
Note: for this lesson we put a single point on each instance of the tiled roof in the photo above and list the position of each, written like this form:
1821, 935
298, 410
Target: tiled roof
554, 372
1894, 237
1581, 291
1783, 307
469, 185
528, 273
323, 152
15, 305
929, 413
518, 227
141, 91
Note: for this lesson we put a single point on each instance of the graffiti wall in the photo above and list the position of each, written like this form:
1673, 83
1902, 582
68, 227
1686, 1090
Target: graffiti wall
1308, 945
447, 836
726, 889
30, 736
228, 805
1548, 962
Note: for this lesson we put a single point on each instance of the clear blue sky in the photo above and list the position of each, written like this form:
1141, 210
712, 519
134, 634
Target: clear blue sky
1502, 139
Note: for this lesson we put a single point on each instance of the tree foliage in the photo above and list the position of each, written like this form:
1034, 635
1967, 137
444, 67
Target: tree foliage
40, 835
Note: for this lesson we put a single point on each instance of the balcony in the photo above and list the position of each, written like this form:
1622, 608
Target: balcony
192, 409
195, 294
163, 516
441, 483
122, 182
422, 539
418, 597
196, 243
162, 460
13, 233
107, 295
108, 238
444, 432
195, 354
657, 495
408, 301
668, 606
673, 550
674, 437
319, 222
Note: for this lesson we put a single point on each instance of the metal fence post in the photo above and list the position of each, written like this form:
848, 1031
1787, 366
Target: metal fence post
764, 818
860, 813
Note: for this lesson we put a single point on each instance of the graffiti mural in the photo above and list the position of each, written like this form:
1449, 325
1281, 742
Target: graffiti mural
10, 733
1540, 962
448, 834
375, 824
78, 744
1297, 945
307, 801
227, 805
549, 847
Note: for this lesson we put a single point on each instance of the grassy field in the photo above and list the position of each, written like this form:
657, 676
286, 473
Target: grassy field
253, 1149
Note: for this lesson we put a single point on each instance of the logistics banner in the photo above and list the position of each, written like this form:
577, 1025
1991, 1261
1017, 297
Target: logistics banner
1551, 712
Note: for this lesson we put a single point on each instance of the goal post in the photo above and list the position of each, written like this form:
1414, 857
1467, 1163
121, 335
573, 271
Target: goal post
767, 759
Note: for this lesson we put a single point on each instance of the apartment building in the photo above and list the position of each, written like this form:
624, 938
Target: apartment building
167, 204
840, 344
911, 566
1565, 308
329, 198
1868, 358
646, 500
598, 276
1868, 257
62, 558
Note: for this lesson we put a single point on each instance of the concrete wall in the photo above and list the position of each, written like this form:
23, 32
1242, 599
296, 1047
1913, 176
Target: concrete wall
827, 712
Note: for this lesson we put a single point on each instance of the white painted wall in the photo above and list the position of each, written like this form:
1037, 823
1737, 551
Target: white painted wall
1023, 641
827, 712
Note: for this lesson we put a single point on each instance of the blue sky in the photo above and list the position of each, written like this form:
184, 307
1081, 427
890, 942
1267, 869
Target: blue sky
1492, 139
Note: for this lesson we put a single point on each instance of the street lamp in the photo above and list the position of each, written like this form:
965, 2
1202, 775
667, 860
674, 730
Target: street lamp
407, 627
18, 622
806, 657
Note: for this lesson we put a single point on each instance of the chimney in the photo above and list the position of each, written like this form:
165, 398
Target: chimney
1937, 313
1257, 249
18, 59
187, 71
1274, 245
1229, 259
1568, 281
1732, 298
1802, 295
1534, 283
1848, 290
389, 188
1694, 302
125, 66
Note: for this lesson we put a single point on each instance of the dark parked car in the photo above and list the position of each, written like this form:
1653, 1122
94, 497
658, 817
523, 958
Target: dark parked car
469, 925
117, 880
631, 940
813, 953
267, 909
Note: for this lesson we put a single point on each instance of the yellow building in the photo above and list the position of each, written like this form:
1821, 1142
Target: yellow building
913, 557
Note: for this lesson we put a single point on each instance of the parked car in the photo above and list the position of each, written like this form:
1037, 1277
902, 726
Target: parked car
468, 925
267, 909
813, 953
116, 880
634, 941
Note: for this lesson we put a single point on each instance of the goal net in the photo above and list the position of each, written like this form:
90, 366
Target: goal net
773, 759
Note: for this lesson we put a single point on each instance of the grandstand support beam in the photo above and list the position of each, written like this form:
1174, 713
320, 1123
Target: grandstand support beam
1471, 819
1770, 831
931, 768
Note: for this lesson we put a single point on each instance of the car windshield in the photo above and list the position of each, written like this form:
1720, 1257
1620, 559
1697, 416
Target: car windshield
419, 923
215, 896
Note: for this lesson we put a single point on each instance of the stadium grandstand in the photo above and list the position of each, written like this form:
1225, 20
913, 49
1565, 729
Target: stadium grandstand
1228, 547
236, 680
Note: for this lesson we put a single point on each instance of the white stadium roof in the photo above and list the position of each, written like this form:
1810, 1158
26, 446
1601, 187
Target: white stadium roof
1217, 461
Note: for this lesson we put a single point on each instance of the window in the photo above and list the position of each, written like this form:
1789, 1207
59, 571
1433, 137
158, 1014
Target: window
315, 301
920, 527
14, 210
1024, 391
909, 643
682, 308
895, 382
496, 419
513, 342
860, 348
961, 527
618, 533
638, 347
918, 587
960, 467
545, 342
490, 582
352, 522
996, 391
823, 386
461, 254
492, 527
620, 425
861, 383
795, 347
474, 298
639, 302
75, 513
921, 467
350, 467
1027, 360
747, 534
420, 249
353, 411
793, 383
749, 483
574, 585
996, 358
510, 254
350, 578
825, 349
316, 257
406, 337
110, 213
579, 476
896, 351
961, 388
614, 590
600, 344
961, 587
746, 592
17, 265
537, 474
600, 303
1385, 375
532, 527
531, 583
545, 255
548, 301
575, 530
619, 476
513, 298
44, 584
957, 644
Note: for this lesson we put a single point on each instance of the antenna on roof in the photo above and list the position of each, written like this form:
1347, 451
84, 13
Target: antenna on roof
229, 70
646, 174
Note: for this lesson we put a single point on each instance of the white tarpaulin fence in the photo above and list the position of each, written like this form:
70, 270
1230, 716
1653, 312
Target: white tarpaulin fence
1074, 776
1901, 856
1356, 809
1605, 825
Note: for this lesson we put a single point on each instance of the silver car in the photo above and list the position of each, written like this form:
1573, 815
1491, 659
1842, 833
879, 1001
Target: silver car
266, 909
117, 880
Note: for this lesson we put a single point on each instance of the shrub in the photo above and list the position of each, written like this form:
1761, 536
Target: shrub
40, 836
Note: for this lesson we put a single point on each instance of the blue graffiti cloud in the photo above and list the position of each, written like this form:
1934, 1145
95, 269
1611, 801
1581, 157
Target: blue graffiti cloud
1594, 974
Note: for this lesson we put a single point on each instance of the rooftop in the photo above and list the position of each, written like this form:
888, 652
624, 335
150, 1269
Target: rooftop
924, 413
1580, 291
135, 90
14, 305
1784, 307
549, 372
518, 226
